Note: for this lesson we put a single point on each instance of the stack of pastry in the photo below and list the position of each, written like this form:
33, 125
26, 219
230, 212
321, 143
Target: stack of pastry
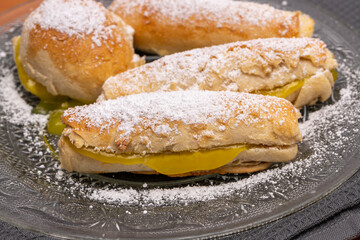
191, 113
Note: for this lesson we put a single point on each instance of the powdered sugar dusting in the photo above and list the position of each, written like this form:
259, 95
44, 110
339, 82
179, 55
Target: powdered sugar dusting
189, 107
17, 111
73, 17
224, 12
206, 68
190, 194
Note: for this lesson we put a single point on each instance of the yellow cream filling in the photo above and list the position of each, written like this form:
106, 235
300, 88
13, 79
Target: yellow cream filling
49, 103
170, 163
283, 92
334, 74
288, 89
30, 84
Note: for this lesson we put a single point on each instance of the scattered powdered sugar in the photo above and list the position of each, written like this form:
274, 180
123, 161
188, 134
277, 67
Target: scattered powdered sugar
223, 12
73, 17
17, 111
307, 127
188, 194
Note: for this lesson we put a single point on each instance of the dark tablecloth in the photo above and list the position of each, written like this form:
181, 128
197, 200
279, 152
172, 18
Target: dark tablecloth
337, 216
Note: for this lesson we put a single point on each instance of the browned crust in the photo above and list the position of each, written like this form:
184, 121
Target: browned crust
157, 32
83, 65
278, 125
250, 66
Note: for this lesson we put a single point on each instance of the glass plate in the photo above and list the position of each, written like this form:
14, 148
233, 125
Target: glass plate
36, 194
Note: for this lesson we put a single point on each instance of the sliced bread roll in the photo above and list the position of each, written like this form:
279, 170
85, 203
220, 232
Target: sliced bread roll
180, 133
165, 27
298, 69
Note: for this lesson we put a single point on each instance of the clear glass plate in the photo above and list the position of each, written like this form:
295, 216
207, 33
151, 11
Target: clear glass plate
36, 194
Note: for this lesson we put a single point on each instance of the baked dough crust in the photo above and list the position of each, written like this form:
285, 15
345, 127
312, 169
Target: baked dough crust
165, 27
251, 66
251, 160
253, 119
75, 66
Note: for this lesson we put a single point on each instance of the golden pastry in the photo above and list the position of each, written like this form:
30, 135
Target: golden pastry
165, 27
180, 133
70, 47
298, 69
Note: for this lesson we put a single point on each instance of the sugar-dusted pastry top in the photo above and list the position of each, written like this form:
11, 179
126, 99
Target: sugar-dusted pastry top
226, 12
182, 121
72, 46
74, 18
248, 66
166, 27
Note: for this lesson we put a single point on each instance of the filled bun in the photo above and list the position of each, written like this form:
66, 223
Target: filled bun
298, 69
180, 133
72, 46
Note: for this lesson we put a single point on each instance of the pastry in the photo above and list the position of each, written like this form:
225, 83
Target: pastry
180, 133
298, 69
70, 47
165, 27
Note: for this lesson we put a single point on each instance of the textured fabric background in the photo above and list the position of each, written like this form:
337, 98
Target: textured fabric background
347, 11
335, 217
